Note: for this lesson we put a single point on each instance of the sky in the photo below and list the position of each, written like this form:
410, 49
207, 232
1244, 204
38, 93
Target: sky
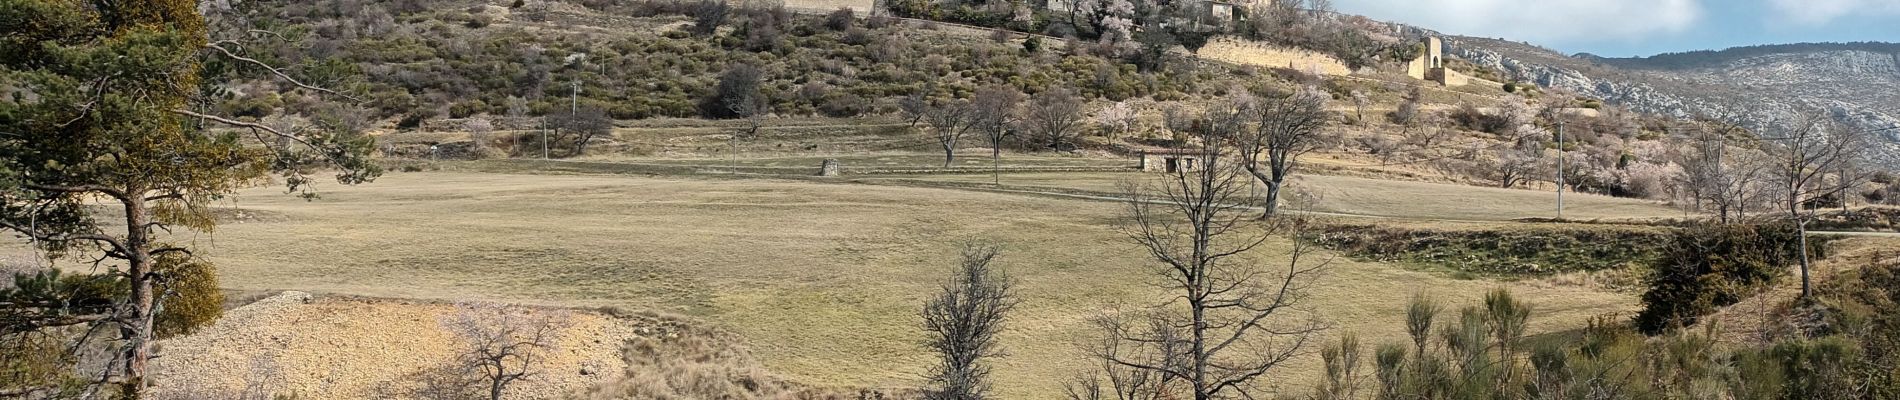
1624, 28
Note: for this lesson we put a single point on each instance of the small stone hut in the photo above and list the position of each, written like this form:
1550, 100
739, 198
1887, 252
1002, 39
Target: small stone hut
1173, 161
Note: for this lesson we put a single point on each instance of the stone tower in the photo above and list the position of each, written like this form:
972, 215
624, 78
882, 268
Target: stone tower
1430, 66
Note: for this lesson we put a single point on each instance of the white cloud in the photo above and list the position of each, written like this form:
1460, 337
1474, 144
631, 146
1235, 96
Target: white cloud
1546, 21
1821, 12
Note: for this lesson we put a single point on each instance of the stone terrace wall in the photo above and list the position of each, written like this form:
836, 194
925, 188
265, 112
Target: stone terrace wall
861, 6
1244, 52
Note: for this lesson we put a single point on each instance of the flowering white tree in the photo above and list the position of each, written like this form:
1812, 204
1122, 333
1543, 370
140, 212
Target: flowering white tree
1117, 117
1518, 116
478, 128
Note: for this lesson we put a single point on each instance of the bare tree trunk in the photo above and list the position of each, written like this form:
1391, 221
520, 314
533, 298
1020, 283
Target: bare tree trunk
996, 164
1273, 200
1273, 187
1801, 228
138, 331
1201, 391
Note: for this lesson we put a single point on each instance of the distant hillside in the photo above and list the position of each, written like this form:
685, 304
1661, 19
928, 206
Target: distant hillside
1717, 58
1858, 83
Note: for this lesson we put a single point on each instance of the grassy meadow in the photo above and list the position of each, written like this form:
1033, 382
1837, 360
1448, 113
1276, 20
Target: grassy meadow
825, 280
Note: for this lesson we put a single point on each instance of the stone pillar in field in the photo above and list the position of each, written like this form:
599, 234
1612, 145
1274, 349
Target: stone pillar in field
828, 168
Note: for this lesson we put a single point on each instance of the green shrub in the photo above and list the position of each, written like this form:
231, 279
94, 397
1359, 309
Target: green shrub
1861, 304
840, 19
477, 21
253, 106
1815, 369
1706, 267
467, 108
1469, 117
412, 120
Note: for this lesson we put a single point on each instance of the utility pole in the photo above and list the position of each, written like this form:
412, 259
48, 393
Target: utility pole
1560, 168
544, 137
573, 114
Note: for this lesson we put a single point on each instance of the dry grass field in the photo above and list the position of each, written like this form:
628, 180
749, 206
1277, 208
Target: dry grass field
1372, 197
823, 280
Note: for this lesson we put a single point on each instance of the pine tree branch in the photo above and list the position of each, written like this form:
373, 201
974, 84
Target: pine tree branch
273, 70
36, 234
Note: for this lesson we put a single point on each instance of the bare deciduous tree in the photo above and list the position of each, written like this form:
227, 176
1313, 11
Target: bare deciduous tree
1426, 132
738, 92
1053, 116
962, 321
1507, 165
517, 108
1359, 102
1115, 380
582, 126
1284, 126
949, 121
1320, 8
1719, 177
708, 15
915, 107
994, 111
1810, 159
1232, 321
506, 344
1178, 121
